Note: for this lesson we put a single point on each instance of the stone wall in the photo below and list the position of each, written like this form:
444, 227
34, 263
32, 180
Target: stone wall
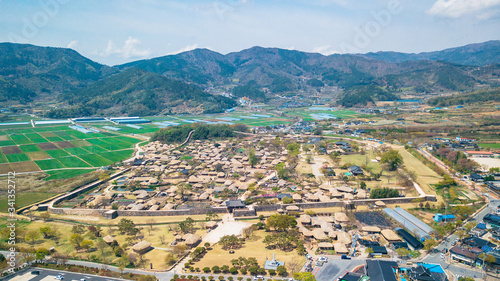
244, 212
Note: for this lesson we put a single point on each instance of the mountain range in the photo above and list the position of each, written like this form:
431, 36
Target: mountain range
179, 83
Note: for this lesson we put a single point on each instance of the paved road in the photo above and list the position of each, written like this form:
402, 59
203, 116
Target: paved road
49, 274
456, 268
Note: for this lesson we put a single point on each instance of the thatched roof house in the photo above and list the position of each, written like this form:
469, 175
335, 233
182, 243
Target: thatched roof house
142, 247
109, 239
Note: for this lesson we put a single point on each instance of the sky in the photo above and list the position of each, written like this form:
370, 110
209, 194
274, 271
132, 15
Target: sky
119, 31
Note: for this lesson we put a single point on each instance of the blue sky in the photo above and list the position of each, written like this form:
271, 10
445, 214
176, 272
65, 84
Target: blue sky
114, 32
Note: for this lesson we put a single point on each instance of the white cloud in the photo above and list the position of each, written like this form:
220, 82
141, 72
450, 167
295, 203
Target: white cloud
458, 8
325, 50
130, 49
185, 49
72, 44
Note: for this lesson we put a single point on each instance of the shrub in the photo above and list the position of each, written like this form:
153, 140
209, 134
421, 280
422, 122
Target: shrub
215, 269
233, 270
206, 269
272, 272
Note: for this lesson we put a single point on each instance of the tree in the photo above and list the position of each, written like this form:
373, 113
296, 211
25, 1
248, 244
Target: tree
80, 229
281, 222
215, 269
104, 177
362, 185
86, 244
127, 226
228, 242
45, 216
101, 245
309, 159
187, 225
169, 259
281, 170
41, 253
180, 249
304, 276
281, 270
46, 231
31, 236
252, 158
76, 240
469, 226
402, 252
430, 243
369, 251
122, 263
392, 159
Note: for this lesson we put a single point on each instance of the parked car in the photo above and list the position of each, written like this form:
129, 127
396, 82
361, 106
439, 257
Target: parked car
442, 256
59, 277
319, 263
35, 272
323, 259
345, 257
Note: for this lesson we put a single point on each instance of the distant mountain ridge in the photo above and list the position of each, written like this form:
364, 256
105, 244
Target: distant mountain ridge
178, 83
479, 54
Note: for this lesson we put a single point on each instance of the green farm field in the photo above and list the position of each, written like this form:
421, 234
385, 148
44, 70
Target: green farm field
49, 148
490, 145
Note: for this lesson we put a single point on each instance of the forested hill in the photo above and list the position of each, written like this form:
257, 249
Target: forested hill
138, 92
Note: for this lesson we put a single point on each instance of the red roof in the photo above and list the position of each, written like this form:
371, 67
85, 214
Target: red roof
480, 152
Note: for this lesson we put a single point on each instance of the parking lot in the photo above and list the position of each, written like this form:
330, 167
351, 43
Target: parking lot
50, 275
332, 269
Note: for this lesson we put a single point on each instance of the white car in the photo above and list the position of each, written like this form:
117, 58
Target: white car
323, 259
59, 277
442, 256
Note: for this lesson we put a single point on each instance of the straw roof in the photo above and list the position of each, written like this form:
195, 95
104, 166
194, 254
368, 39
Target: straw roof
370, 228
340, 248
296, 197
379, 203
304, 219
211, 224
325, 245
341, 217
343, 237
191, 239
292, 208
108, 239
142, 246
318, 234
390, 235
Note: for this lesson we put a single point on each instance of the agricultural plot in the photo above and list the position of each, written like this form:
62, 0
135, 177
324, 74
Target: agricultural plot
490, 145
47, 146
117, 156
38, 155
25, 166
73, 161
64, 144
29, 148
66, 174
57, 153
372, 218
60, 147
36, 138
11, 150
76, 151
96, 160
20, 139
18, 157
49, 164
25, 199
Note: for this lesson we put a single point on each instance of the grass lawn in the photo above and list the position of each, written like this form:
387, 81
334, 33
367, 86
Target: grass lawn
29, 148
95, 160
66, 174
490, 145
18, 157
358, 159
73, 161
25, 199
57, 153
49, 164
253, 247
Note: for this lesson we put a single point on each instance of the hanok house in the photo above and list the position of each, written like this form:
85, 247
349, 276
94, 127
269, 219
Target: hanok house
142, 247
356, 170
108, 239
390, 236
462, 255
234, 204
421, 273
